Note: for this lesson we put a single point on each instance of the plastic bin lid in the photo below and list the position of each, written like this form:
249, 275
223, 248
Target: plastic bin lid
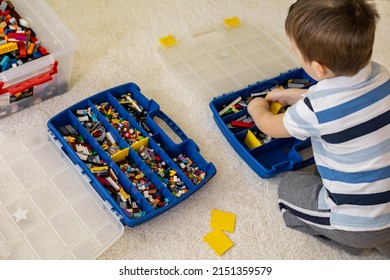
48, 210
225, 58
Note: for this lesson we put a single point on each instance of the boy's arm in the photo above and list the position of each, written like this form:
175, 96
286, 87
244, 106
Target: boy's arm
267, 122
285, 96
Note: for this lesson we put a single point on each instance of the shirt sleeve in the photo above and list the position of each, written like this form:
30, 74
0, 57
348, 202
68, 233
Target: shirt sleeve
300, 120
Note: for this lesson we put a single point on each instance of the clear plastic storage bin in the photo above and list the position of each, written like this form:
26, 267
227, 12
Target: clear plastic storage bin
46, 76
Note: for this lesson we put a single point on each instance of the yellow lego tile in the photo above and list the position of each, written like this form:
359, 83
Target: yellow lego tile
232, 22
168, 41
222, 220
218, 241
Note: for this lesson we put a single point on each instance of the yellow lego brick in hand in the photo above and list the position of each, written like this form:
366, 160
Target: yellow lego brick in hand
275, 107
222, 220
218, 241
168, 41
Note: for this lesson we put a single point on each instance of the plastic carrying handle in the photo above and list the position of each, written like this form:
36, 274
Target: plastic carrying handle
172, 125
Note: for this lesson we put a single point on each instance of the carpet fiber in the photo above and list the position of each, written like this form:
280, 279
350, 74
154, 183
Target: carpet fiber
118, 42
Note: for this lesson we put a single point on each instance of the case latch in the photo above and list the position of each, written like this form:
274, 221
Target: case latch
34, 81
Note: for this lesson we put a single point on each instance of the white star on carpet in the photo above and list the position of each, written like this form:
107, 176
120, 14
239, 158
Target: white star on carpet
20, 214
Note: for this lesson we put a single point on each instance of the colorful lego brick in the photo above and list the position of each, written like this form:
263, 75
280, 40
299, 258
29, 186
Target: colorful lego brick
189, 168
232, 22
134, 109
222, 220
22, 50
17, 41
242, 124
168, 41
163, 172
130, 134
30, 48
42, 50
8, 47
155, 198
225, 109
298, 83
251, 141
218, 241
275, 107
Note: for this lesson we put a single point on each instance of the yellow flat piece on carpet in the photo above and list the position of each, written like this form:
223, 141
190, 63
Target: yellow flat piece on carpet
232, 22
168, 41
222, 220
218, 241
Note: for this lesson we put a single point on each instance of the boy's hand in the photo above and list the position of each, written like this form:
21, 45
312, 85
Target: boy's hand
265, 120
285, 96
256, 104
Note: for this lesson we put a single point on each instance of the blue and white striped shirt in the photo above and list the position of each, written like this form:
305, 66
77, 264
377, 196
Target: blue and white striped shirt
348, 120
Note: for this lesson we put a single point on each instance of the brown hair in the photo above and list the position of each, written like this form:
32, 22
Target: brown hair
337, 33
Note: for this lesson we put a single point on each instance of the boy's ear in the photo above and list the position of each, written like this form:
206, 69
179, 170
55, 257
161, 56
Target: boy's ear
321, 70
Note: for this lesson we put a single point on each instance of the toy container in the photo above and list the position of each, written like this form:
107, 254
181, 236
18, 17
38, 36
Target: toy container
43, 77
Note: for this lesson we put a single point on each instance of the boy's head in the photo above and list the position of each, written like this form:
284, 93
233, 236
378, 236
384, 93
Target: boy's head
338, 34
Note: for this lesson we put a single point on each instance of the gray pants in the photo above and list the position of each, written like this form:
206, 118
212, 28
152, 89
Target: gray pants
301, 189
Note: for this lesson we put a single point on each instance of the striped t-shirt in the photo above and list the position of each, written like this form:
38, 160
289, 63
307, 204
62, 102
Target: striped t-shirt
348, 120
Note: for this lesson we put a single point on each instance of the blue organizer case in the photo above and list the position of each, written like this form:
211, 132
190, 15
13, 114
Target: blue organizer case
141, 179
272, 157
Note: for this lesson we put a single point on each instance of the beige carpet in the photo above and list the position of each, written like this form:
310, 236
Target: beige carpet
118, 43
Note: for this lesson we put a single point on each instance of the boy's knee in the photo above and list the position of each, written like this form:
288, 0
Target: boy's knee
295, 223
297, 187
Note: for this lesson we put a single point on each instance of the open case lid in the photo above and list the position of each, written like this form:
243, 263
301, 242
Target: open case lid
225, 57
48, 210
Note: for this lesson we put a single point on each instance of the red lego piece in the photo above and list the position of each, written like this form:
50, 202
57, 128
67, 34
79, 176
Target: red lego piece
242, 124
22, 49
42, 50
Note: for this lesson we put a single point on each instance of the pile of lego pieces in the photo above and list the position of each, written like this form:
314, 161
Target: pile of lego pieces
18, 42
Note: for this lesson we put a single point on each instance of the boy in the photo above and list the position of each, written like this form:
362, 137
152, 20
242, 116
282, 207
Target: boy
347, 116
